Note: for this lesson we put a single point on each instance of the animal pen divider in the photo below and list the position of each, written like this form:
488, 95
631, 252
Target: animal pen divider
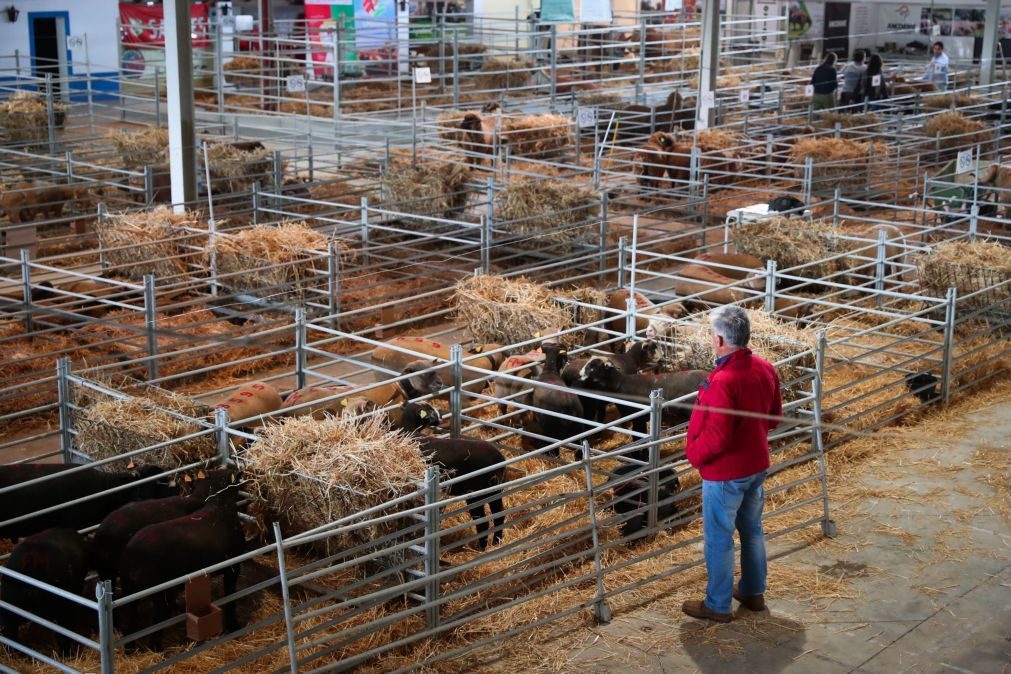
422, 580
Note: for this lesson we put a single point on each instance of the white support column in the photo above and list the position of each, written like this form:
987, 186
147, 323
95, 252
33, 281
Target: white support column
179, 80
709, 65
989, 53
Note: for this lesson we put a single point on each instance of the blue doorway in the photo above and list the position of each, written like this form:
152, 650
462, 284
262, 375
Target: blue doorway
47, 36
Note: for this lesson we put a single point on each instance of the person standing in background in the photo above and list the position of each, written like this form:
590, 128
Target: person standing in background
870, 91
825, 82
937, 70
853, 75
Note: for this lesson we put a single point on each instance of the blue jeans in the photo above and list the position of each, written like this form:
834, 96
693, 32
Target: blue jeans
729, 505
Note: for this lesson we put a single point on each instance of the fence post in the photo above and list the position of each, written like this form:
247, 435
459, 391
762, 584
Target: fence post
300, 348
70, 166
151, 325
221, 427
554, 64
808, 177
456, 395
973, 221
835, 207
485, 245
879, 269
456, 67
278, 167
602, 236
365, 230
282, 573
770, 286
149, 185
622, 254
432, 544
219, 68
601, 609
337, 75
641, 80
333, 275
655, 422
50, 114
255, 198
949, 343
817, 440
705, 207
157, 96
26, 290
64, 398
106, 636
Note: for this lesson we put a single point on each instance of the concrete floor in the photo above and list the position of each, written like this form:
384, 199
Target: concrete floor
928, 569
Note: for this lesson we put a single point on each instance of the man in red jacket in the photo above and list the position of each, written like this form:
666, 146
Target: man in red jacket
731, 452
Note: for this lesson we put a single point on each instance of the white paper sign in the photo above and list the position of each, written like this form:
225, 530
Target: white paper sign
809, 90
243, 23
295, 83
964, 162
422, 75
595, 11
75, 42
745, 95
709, 99
673, 5
586, 117
876, 81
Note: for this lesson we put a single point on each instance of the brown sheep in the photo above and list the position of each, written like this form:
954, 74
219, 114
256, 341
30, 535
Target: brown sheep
999, 177
478, 134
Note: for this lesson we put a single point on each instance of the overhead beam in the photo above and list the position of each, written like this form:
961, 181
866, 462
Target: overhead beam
989, 53
179, 81
709, 66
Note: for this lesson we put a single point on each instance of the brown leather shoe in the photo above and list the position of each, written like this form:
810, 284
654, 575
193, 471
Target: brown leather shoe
754, 603
698, 609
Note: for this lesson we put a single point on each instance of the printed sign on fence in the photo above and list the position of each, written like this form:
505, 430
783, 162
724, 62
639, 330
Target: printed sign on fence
295, 83
586, 117
422, 75
809, 90
965, 162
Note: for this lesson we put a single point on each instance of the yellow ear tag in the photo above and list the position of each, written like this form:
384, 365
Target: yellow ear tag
201, 475
423, 414
537, 335
344, 402
233, 478
479, 348
562, 352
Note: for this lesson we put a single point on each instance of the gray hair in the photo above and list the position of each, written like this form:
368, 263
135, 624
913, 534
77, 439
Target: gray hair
732, 324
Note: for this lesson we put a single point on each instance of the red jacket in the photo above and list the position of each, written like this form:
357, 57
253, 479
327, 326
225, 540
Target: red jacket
726, 446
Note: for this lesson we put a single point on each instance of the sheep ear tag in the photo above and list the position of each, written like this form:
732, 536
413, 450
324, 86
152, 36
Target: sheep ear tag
423, 414
537, 335
201, 475
562, 352
233, 478
628, 345
478, 349
187, 478
131, 465
344, 402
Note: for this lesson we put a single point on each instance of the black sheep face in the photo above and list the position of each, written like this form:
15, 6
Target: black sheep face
421, 415
923, 385
598, 371
426, 382
650, 352
555, 353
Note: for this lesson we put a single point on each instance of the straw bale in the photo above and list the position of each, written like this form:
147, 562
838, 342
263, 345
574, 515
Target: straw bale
792, 242
717, 139
310, 472
235, 170
536, 135
604, 99
267, 257
587, 295
829, 118
141, 148
503, 310
24, 117
241, 63
772, 339
968, 267
956, 130
505, 72
834, 150
432, 188
152, 240
109, 428
546, 212
956, 99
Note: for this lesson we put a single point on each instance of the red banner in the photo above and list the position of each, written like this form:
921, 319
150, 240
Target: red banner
144, 25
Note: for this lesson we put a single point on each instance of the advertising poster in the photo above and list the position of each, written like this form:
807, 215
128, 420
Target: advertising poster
935, 22
142, 33
799, 20
375, 29
968, 22
322, 21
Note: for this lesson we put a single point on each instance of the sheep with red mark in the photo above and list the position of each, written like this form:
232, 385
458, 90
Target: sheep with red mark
251, 402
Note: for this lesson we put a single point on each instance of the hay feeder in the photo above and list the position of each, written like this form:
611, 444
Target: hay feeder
434, 189
503, 310
792, 242
24, 117
841, 163
142, 243
969, 267
141, 148
546, 213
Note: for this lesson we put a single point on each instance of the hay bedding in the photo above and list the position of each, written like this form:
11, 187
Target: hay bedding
504, 72
792, 242
235, 170
271, 258
506, 311
537, 135
24, 117
309, 473
837, 162
108, 428
956, 130
141, 148
967, 267
431, 188
546, 213
142, 243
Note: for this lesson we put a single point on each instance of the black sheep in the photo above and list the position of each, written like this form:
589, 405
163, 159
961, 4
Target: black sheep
167, 550
788, 205
632, 495
58, 557
122, 524
600, 373
923, 385
59, 489
639, 356
461, 456
562, 402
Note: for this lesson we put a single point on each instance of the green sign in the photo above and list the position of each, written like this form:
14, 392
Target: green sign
557, 11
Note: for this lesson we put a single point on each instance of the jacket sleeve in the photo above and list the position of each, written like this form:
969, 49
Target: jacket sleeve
777, 402
715, 435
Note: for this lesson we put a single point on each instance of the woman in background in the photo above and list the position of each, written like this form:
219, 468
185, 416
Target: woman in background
825, 82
